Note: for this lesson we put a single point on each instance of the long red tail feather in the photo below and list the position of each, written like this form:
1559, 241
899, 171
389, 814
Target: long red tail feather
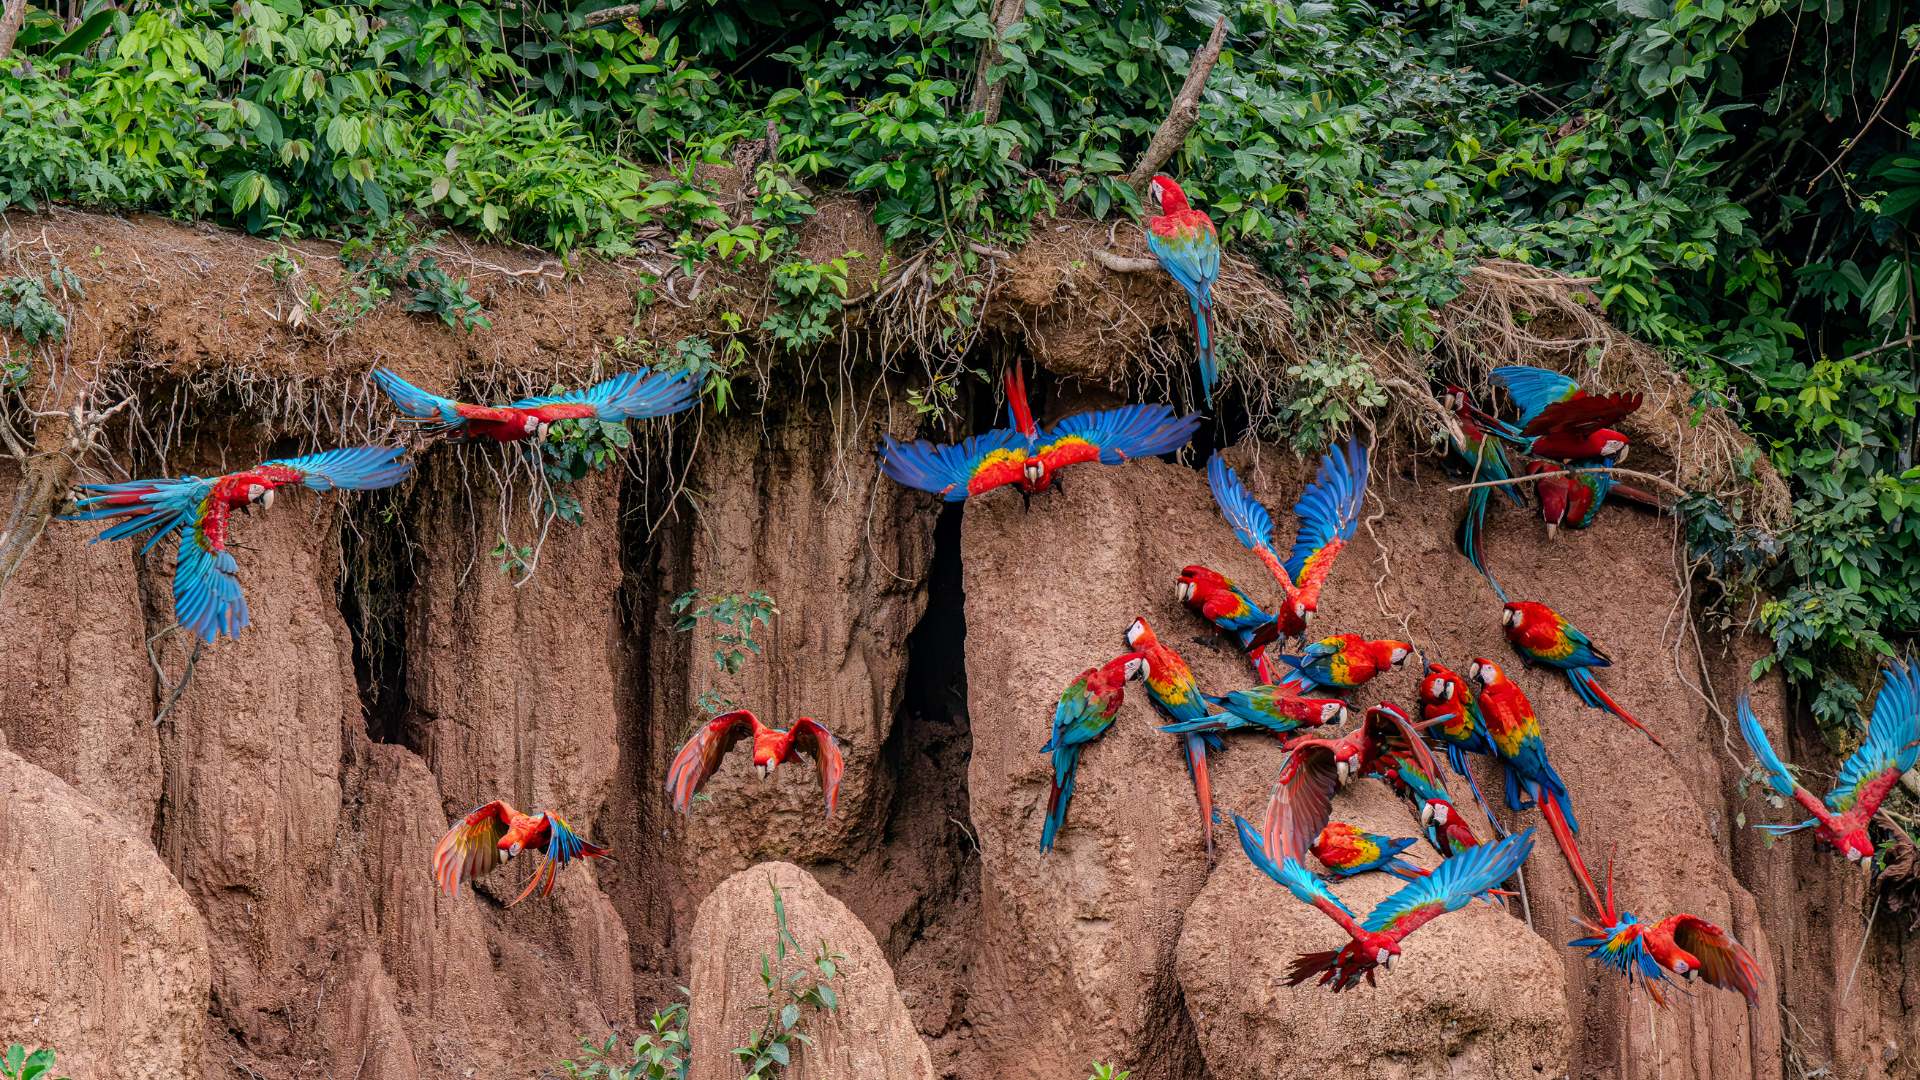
1614, 708
1017, 402
1563, 836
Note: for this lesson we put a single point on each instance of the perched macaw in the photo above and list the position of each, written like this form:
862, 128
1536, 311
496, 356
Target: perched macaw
1893, 742
1440, 821
1278, 708
634, 395
206, 580
1030, 458
1574, 500
1559, 420
1348, 661
1448, 713
1382, 737
1328, 513
1346, 851
1219, 601
1376, 941
1542, 636
1184, 241
1514, 733
700, 757
1485, 459
1085, 712
1175, 694
496, 832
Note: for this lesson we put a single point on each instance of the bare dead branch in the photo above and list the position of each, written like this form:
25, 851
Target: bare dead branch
1649, 477
1124, 264
612, 14
1172, 132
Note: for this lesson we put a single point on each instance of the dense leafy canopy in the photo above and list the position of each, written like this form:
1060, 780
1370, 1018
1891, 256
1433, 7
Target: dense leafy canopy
1741, 176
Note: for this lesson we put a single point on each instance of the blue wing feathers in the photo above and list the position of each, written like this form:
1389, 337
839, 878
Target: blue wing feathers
1330, 507
359, 468
945, 469
415, 402
1251, 523
632, 395
1128, 432
1296, 878
1457, 880
1891, 735
1777, 773
1533, 389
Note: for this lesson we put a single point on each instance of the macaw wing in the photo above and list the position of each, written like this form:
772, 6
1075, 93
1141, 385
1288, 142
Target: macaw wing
1301, 802
700, 757
563, 846
417, 403
1323, 649
1292, 874
357, 468
1451, 885
206, 580
471, 847
1893, 740
162, 507
1723, 962
1582, 415
1621, 945
1533, 389
632, 395
1390, 735
954, 471
1083, 715
1329, 513
811, 738
1189, 250
1779, 777
1251, 523
1116, 436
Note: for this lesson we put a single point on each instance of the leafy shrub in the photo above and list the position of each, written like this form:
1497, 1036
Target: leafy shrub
19, 1064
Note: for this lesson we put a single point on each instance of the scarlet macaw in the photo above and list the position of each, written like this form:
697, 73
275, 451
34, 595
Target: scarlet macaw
1348, 661
1893, 742
1474, 444
633, 395
1030, 458
1448, 713
1376, 941
1086, 710
206, 580
1514, 733
1561, 421
1385, 735
1346, 851
1328, 513
1574, 500
496, 832
1175, 694
1219, 601
700, 757
1276, 708
1440, 820
1184, 241
1542, 636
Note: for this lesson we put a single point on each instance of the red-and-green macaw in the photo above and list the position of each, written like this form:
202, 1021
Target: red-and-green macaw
1184, 241
198, 510
1559, 420
1029, 457
1176, 695
1328, 513
1277, 708
1348, 661
1440, 821
1448, 714
1475, 444
1514, 733
1893, 742
1347, 851
1574, 500
1227, 606
700, 757
1376, 941
1086, 710
1384, 735
496, 832
1542, 636
634, 395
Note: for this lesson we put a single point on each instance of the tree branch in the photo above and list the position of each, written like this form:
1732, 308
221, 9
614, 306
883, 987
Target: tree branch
612, 14
1180, 118
1649, 477
13, 13
987, 90
1124, 264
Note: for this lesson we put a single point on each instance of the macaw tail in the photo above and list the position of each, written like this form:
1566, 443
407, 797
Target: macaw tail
1403, 869
1563, 836
1260, 636
1202, 783
1262, 667
1467, 537
1210, 723
417, 405
1065, 764
1590, 692
1202, 304
1457, 758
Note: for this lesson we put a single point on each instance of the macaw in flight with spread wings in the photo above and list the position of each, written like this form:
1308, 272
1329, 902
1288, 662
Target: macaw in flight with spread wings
634, 395
700, 757
1328, 514
490, 835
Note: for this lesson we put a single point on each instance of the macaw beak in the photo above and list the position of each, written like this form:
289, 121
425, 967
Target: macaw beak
514, 850
1551, 529
1426, 815
1623, 454
266, 500
762, 771
544, 433
1341, 770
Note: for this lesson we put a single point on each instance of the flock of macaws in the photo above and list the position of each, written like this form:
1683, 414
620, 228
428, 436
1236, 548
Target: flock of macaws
1564, 441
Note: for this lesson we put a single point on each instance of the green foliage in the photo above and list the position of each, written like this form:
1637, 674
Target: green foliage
29, 315
575, 448
660, 1053
810, 294
19, 1064
514, 559
387, 258
733, 617
1108, 1072
791, 994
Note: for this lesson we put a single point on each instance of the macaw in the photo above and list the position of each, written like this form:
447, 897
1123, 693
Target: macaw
1219, 601
496, 832
1559, 420
1448, 713
1278, 708
1893, 742
1348, 661
700, 757
1542, 636
1346, 851
1514, 733
1029, 457
1086, 710
1475, 444
1376, 941
206, 579
1574, 499
1383, 736
1184, 241
1175, 695
1328, 514
1440, 821
633, 395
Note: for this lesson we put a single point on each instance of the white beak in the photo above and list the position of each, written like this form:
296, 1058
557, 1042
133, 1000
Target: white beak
1551, 529
266, 500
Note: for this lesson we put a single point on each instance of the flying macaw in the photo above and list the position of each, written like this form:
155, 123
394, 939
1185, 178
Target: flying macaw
1030, 458
1175, 694
1219, 601
1474, 444
1348, 661
1448, 713
633, 395
496, 832
1184, 241
700, 757
1514, 733
1893, 742
1328, 513
1559, 420
1276, 708
1346, 851
1542, 636
206, 580
1085, 712
1376, 941
1382, 737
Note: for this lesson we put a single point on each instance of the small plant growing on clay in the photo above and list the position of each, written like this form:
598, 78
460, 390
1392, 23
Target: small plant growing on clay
28, 315
19, 1064
1108, 1072
658, 1054
514, 559
790, 995
734, 618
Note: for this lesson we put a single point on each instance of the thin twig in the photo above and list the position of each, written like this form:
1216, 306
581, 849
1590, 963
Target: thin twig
1610, 470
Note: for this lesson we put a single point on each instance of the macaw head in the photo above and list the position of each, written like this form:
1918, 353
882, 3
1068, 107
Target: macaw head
1612, 444
1857, 846
1034, 475
1435, 812
260, 494
1332, 711
522, 832
1393, 653
770, 747
1140, 636
1302, 610
1485, 672
1197, 583
1439, 687
1454, 399
1553, 493
1135, 667
1166, 195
